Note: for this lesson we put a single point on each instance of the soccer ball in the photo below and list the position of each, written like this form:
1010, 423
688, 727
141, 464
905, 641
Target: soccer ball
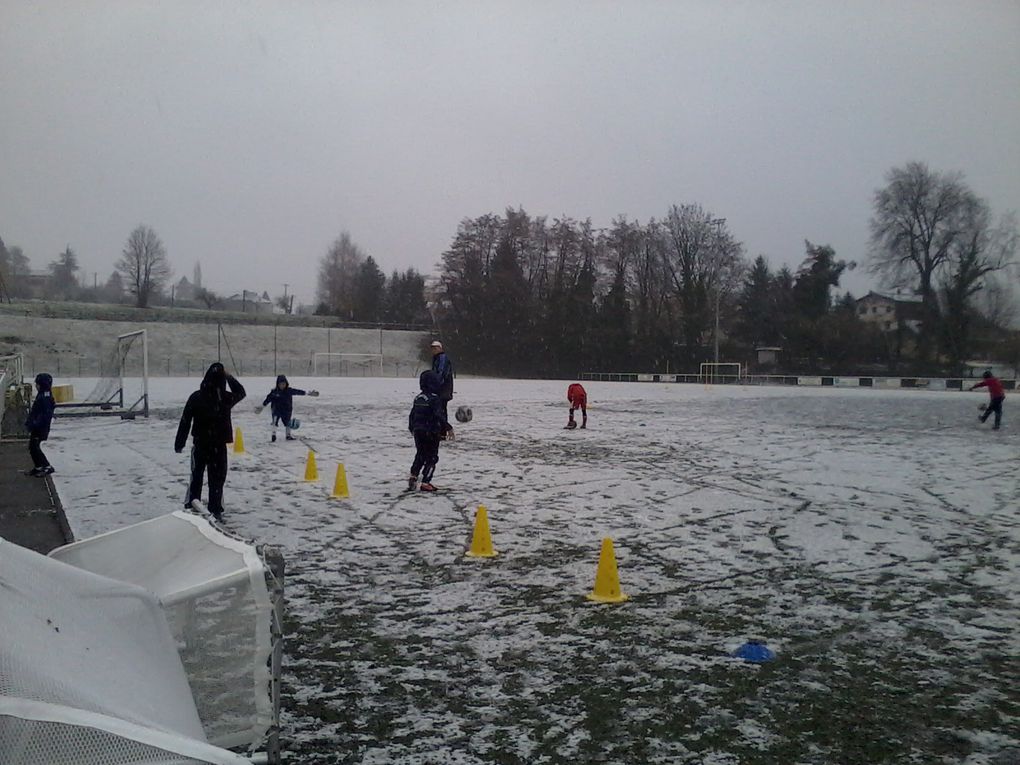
295, 424
463, 414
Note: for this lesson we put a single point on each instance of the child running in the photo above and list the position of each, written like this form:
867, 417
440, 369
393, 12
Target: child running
282, 400
38, 424
996, 396
427, 422
578, 398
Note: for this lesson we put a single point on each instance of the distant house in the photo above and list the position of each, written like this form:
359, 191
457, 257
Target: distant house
185, 291
249, 301
890, 313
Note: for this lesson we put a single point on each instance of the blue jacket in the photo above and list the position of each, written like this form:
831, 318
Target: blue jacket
282, 401
443, 368
41, 414
427, 410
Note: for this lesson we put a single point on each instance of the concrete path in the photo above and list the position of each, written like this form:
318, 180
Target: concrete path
30, 510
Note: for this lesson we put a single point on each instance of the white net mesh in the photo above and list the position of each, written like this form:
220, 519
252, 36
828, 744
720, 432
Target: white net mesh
213, 589
111, 370
89, 671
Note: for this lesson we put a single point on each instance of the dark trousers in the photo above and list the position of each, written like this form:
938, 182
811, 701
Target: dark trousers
35, 450
214, 459
584, 414
995, 405
446, 414
426, 455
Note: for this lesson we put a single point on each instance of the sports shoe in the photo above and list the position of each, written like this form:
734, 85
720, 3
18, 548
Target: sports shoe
273, 439
34, 472
426, 487
217, 514
584, 427
48, 470
291, 438
412, 482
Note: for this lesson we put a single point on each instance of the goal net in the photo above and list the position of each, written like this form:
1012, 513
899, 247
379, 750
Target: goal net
123, 385
348, 364
89, 672
720, 372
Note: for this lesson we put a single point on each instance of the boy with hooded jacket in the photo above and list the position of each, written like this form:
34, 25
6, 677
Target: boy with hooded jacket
38, 424
281, 401
427, 422
207, 416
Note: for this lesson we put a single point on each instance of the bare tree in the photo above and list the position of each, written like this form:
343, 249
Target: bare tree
930, 233
338, 271
704, 264
144, 265
207, 297
914, 226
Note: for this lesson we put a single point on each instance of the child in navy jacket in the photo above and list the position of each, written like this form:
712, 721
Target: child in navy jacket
281, 399
427, 422
38, 424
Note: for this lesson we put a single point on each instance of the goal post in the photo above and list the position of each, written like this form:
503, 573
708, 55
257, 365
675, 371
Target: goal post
127, 360
324, 364
720, 372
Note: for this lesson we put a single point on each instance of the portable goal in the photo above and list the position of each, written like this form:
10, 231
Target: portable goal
347, 364
720, 372
123, 386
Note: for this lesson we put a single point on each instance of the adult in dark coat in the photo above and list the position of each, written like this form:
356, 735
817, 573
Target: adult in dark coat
443, 368
207, 417
38, 424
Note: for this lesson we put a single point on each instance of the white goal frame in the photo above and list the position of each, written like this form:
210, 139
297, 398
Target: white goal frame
709, 371
114, 403
343, 357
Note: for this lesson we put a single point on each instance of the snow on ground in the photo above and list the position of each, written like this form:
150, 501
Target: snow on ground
872, 538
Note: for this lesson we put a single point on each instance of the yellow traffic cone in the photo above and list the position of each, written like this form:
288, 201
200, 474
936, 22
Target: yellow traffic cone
481, 542
340, 485
311, 471
238, 441
607, 578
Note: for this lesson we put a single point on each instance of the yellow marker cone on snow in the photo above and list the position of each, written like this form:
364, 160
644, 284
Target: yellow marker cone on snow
238, 441
311, 471
607, 578
340, 485
481, 542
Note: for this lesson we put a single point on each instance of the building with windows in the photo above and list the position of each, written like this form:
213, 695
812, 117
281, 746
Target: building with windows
890, 313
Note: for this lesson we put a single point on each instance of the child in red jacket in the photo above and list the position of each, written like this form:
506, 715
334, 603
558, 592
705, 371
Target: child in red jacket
996, 396
578, 399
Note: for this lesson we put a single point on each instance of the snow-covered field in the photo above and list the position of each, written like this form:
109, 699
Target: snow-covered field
871, 538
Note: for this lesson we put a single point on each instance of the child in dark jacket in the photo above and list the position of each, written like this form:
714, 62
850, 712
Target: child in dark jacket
281, 400
427, 422
38, 424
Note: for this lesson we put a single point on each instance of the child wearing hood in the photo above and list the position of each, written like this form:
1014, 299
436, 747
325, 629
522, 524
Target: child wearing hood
427, 422
281, 401
38, 424
207, 417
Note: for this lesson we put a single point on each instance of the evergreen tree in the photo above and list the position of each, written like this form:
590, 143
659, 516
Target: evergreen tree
369, 292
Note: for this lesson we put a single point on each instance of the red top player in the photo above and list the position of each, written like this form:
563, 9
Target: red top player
578, 399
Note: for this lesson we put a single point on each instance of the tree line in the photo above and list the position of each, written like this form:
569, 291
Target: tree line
529, 296
142, 271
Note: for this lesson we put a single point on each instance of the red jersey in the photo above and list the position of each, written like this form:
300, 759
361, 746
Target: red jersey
576, 395
995, 389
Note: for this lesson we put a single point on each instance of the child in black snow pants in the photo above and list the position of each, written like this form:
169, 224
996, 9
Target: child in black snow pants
207, 417
281, 399
38, 424
427, 423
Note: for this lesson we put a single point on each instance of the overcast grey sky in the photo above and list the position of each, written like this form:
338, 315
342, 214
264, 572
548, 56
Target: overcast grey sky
249, 134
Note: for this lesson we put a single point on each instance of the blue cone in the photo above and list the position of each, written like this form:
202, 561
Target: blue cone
755, 651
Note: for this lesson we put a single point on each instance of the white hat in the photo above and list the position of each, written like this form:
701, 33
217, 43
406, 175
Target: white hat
437, 344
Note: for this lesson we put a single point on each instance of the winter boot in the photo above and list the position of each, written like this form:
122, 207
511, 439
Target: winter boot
412, 482
426, 487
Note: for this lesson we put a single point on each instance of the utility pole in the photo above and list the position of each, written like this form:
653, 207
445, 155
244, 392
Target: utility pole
718, 223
